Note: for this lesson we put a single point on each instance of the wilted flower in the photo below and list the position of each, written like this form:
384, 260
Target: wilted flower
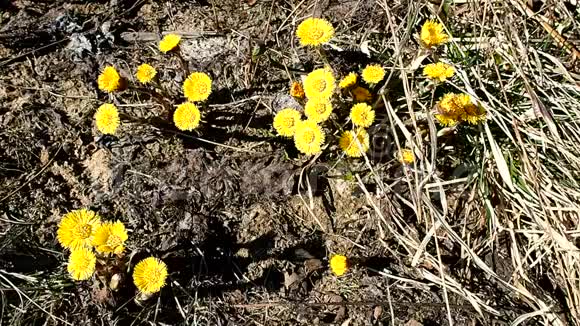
432, 34
320, 83
197, 87
81, 263
285, 122
362, 115
406, 156
348, 80
77, 228
318, 109
187, 116
107, 119
296, 90
149, 275
169, 42
338, 264
110, 237
109, 79
354, 143
361, 94
145, 73
439, 71
314, 31
309, 137
372, 74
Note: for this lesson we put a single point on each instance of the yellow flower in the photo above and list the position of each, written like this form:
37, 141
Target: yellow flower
285, 122
472, 113
449, 109
406, 156
107, 119
432, 34
145, 73
361, 94
318, 110
438, 71
187, 116
110, 237
314, 31
77, 228
348, 81
349, 142
373, 74
362, 115
109, 80
309, 137
320, 83
197, 87
338, 264
81, 263
169, 42
149, 275
296, 90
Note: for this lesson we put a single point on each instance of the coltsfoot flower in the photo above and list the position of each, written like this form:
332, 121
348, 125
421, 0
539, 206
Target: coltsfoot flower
109, 79
318, 110
145, 73
361, 94
77, 229
362, 115
372, 74
110, 237
354, 143
338, 264
149, 275
309, 137
197, 87
314, 32
187, 116
107, 119
348, 81
296, 90
432, 34
169, 42
285, 122
81, 263
406, 156
320, 83
439, 71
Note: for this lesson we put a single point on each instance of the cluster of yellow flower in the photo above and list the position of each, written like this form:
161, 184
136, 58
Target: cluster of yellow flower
82, 230
187, 116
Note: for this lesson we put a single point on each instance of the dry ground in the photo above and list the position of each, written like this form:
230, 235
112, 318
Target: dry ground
482, 229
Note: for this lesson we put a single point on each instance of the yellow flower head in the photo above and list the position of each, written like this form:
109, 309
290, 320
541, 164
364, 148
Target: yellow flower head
439, 71
406, 156
149, 275
77, 228
169, 42
81, 263
354, 144
285, 122
318, 110
320, 83
187, 116
110, 238
361, 94
432, 34
362, 115
296, 90
338, 264
314, 31
309, 137
472, 113
109, 79
107, 119
197, 87
145, 73
449, 109
348, 81
372, 74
